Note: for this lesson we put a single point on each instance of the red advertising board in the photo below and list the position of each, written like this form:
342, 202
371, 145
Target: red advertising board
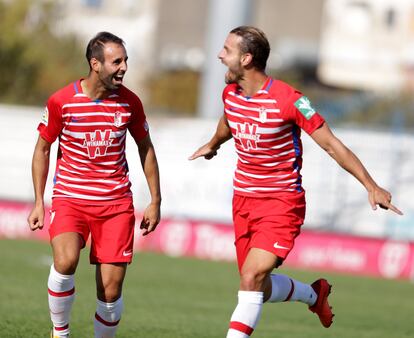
214, 241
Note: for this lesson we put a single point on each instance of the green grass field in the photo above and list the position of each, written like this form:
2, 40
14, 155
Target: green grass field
187, 298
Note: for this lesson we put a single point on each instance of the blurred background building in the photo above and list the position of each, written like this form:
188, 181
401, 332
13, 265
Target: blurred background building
354, 58
169, 39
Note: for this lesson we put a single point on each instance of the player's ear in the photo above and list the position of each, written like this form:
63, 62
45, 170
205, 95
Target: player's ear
246, 59
95, 64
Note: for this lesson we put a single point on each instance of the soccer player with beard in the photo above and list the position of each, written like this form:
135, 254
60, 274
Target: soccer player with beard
91, 193
265, 117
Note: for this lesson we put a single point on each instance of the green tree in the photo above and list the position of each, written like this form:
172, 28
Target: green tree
34, 61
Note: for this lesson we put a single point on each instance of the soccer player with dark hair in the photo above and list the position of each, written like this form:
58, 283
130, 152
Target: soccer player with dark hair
265, 117
91, 192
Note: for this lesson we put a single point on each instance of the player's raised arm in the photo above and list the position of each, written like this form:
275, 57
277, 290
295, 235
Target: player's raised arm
209, 150
324, 137
40, 169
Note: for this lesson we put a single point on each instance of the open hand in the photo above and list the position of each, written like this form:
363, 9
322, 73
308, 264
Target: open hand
206, 150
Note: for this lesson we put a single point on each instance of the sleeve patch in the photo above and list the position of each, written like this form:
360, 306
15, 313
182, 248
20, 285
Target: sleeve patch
304, 105
45, 117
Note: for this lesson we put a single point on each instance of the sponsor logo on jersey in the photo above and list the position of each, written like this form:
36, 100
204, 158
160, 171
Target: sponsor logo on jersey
305, 107
45, 116
98, 142
247, 135
118, 119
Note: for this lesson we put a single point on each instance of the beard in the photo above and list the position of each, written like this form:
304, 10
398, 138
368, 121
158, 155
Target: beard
233, 75
107, 81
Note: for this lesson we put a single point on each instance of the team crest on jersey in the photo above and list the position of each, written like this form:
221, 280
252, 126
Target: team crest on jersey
97, 142
247, 134
262, 114
45, 116
118, 119
305, 107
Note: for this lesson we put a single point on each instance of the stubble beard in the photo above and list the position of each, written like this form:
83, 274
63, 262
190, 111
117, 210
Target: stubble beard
108, 84
233, 77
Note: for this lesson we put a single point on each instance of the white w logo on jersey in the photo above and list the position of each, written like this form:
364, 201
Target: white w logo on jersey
97, 143
247, 135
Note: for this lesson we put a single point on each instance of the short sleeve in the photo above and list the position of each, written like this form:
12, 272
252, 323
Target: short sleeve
138, 127
224, 94
300, 111
51, 124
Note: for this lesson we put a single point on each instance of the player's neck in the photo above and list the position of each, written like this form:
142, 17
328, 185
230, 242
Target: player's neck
252, 82
93, 89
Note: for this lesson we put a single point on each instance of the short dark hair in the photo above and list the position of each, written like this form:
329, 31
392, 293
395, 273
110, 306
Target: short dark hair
254, 41
96, 46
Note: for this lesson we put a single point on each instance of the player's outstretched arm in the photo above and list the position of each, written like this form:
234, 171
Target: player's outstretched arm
152, 213
377, 196
209, 150
40, 169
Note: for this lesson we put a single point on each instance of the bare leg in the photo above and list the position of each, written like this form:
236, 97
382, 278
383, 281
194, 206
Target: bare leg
254, 281
66, 250
255, 273
109, 281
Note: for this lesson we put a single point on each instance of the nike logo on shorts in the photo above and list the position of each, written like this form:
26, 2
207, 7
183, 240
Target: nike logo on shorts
277, 246
127, 253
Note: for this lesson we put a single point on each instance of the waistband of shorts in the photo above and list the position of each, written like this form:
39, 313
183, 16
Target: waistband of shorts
77, 201
282, 194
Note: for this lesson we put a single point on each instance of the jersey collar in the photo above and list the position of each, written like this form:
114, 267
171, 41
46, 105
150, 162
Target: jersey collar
264, 90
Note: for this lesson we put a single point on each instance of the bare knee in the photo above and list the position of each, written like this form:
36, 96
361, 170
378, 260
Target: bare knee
66, 263
109, 280
252, 280
66, 250
110, 292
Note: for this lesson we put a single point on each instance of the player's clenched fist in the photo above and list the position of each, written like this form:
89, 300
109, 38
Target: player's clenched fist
36, 218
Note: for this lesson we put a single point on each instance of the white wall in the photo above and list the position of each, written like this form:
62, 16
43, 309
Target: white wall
203, 189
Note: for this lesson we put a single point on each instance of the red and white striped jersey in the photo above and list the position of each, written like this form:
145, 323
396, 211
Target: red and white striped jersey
266, 128
91, 163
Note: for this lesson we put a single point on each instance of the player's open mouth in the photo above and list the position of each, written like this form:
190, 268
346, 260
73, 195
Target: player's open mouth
118, 78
